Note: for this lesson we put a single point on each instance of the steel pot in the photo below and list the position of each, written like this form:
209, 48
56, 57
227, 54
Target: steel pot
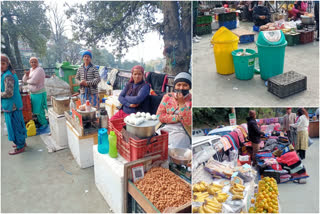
307, 20
144, 130
88, 116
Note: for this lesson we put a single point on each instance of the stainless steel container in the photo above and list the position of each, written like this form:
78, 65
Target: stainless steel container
88, 116
146, 129
307, 20
104, 119
178, 157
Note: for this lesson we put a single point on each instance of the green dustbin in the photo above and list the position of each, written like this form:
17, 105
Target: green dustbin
244, 65
271, 51
68, 70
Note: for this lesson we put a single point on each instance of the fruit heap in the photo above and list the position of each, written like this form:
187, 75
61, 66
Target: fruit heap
266, 198
201, 193
237, 191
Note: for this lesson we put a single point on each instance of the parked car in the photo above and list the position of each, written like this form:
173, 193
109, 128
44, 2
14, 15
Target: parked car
198, 132
222, 131
203, 142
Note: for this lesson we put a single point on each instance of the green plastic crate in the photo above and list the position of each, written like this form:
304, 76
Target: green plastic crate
224, 17
203, 29
293, 39
68, 70
204, 20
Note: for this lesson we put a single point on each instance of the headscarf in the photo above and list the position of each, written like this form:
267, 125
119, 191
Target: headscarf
34, 58
136, 67
4, 58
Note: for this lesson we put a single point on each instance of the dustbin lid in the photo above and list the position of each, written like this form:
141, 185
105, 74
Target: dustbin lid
224, 35
271, 38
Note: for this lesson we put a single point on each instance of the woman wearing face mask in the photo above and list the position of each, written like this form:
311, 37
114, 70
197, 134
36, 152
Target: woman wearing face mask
35, 78
175, 111
11, 105
133, 96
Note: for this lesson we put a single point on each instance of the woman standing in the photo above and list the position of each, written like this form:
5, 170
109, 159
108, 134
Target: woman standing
175, 112
11, 105
133, 96
302, 125
35, 78
88, 77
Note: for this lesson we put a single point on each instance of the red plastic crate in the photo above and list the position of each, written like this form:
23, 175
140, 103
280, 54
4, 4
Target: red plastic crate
306, 37
137, 149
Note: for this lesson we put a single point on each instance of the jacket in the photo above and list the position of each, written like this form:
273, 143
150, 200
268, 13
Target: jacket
261, 11
8, 103
253, 130
35, 80
302, 123
91, 76
134, 94
288, 120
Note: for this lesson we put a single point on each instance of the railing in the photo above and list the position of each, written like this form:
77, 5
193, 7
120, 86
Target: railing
124, 76
48, 71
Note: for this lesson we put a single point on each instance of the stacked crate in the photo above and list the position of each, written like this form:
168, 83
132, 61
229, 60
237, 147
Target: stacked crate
228, 20
203, 25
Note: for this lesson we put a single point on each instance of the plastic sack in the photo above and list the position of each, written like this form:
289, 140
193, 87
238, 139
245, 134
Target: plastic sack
104, 73
203, 155
233, 157
56, 87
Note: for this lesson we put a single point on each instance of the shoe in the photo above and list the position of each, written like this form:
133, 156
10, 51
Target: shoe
317, 39
43, 127
195, 40
17, 151
15, 146
198, 37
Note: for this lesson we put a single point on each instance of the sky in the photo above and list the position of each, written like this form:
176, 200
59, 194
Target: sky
150, 49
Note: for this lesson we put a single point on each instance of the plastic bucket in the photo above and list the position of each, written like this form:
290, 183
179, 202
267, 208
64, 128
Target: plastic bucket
224, 42
244, 65
271, 60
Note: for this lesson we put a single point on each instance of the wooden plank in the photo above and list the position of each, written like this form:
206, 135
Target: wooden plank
128, 166
241, 32
71, 83
138, 195
141, 199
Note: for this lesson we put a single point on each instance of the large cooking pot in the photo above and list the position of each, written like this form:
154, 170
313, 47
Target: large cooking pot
144, 130
307, 20
88, 116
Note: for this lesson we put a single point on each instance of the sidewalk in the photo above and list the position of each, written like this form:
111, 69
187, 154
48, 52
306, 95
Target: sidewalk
38, 181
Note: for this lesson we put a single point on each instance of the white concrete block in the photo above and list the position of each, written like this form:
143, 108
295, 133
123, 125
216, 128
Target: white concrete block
80, 147
109, 178
58, 128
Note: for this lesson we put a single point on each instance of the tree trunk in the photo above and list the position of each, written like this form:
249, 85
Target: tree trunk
7, 50
177, 36
14, 42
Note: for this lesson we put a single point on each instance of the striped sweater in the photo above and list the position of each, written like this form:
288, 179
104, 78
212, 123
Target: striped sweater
92, 77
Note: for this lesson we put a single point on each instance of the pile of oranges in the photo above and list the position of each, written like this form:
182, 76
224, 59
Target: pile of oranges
267, 197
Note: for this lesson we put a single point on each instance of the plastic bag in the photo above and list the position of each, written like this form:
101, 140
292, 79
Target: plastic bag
104, 73
233, 157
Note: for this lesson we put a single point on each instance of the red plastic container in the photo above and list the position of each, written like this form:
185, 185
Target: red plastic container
27, 108
306, 37
137, 149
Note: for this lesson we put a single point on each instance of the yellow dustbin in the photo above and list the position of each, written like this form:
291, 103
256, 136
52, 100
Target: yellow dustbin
31, 128
224, 42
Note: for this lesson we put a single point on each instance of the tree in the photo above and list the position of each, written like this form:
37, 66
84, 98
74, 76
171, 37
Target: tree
124, 24
23, 20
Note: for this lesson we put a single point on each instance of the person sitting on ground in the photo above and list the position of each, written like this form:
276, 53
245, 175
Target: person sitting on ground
299, 9
88, 77
175, 112
11, 105
134, 96
254, 134
261, 14
302, 125
35, 78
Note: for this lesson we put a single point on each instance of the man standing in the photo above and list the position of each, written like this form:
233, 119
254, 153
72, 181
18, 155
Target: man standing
254, 134
288, 119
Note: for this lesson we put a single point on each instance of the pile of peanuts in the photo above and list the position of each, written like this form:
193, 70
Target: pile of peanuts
164, 189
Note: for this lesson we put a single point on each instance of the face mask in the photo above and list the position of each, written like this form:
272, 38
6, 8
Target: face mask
184, 92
